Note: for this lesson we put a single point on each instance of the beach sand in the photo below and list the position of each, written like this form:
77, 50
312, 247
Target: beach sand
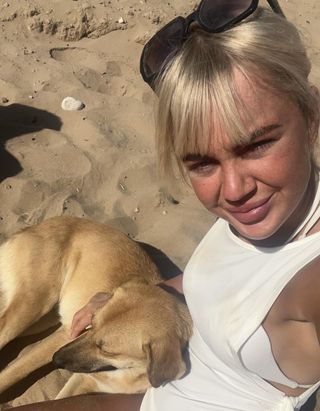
98, 162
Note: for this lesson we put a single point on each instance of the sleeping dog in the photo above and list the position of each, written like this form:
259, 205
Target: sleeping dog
139, 334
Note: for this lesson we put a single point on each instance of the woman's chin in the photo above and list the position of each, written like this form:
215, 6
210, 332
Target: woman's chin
254, 232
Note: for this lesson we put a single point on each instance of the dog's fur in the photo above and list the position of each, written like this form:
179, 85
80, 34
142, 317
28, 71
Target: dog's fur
141, 331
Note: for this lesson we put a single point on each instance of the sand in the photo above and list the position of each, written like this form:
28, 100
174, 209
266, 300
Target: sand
98, 162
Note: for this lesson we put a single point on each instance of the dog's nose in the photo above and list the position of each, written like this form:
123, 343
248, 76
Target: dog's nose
58, 361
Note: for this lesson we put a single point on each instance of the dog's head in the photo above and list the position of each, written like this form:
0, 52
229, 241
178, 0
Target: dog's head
140, 326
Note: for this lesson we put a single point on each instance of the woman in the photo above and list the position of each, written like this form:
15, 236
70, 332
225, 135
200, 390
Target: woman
239, 118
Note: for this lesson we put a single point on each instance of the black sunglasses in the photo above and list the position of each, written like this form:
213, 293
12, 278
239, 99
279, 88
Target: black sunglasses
213, 16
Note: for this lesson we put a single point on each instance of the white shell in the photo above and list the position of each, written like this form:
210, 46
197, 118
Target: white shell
71, 104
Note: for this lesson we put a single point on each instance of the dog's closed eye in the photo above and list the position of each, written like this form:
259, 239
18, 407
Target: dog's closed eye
101, 345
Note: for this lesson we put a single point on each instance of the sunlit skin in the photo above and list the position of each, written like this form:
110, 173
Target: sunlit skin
260, 188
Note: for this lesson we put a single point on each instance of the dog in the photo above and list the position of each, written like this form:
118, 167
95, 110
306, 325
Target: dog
139, 335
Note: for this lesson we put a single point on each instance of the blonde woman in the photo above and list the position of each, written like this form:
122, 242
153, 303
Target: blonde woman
238, 117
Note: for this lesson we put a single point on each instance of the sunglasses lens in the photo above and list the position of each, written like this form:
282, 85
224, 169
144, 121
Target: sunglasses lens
162, 46
215, 14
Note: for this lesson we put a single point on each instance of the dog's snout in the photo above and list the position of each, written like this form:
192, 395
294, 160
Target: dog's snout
58, 361
67, 359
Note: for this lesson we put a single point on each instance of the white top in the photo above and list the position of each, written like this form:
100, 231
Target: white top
230, 285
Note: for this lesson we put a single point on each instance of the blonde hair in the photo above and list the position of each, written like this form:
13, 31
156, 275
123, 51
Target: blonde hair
197, 91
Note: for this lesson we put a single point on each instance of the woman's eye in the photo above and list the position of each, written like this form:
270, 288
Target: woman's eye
201, 167
258, 147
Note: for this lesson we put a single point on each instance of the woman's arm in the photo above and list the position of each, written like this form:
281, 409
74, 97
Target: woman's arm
304, 291
83, 318
176, 282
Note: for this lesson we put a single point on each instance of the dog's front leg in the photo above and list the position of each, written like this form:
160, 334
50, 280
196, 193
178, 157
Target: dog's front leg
126, 381
36, 356
79, 384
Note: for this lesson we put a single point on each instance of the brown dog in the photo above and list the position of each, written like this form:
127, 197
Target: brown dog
138, 336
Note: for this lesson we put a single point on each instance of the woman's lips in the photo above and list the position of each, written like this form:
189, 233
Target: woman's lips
251, 213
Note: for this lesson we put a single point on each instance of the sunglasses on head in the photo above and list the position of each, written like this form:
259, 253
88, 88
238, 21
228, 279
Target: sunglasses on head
213, 16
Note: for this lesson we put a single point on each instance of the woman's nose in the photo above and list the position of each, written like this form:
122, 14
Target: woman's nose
238, 184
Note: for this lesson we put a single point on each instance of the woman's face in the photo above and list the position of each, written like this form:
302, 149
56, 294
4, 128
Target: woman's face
260, 188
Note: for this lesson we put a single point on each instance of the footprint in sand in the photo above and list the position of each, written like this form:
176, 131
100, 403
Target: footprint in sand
94, 70
77, 56
50, 183
51, 157
92, 80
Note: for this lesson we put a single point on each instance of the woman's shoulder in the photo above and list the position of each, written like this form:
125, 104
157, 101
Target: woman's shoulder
302, 293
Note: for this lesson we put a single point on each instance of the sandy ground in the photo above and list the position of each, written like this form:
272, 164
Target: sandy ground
98, 162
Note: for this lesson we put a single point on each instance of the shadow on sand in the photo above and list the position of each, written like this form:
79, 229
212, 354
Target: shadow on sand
16, 120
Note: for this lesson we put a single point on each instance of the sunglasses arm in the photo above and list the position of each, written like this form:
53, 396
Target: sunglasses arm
276, 7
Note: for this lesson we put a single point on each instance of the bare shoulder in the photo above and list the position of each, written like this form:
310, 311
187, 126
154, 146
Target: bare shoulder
303, 292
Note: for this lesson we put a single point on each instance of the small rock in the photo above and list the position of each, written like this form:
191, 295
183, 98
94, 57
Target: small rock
137, 210
71, 104
121, 21
5, 100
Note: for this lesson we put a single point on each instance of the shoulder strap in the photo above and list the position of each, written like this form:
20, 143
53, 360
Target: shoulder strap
311, 218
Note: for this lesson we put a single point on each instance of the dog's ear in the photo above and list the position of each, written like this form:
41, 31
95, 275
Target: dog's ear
164, 360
